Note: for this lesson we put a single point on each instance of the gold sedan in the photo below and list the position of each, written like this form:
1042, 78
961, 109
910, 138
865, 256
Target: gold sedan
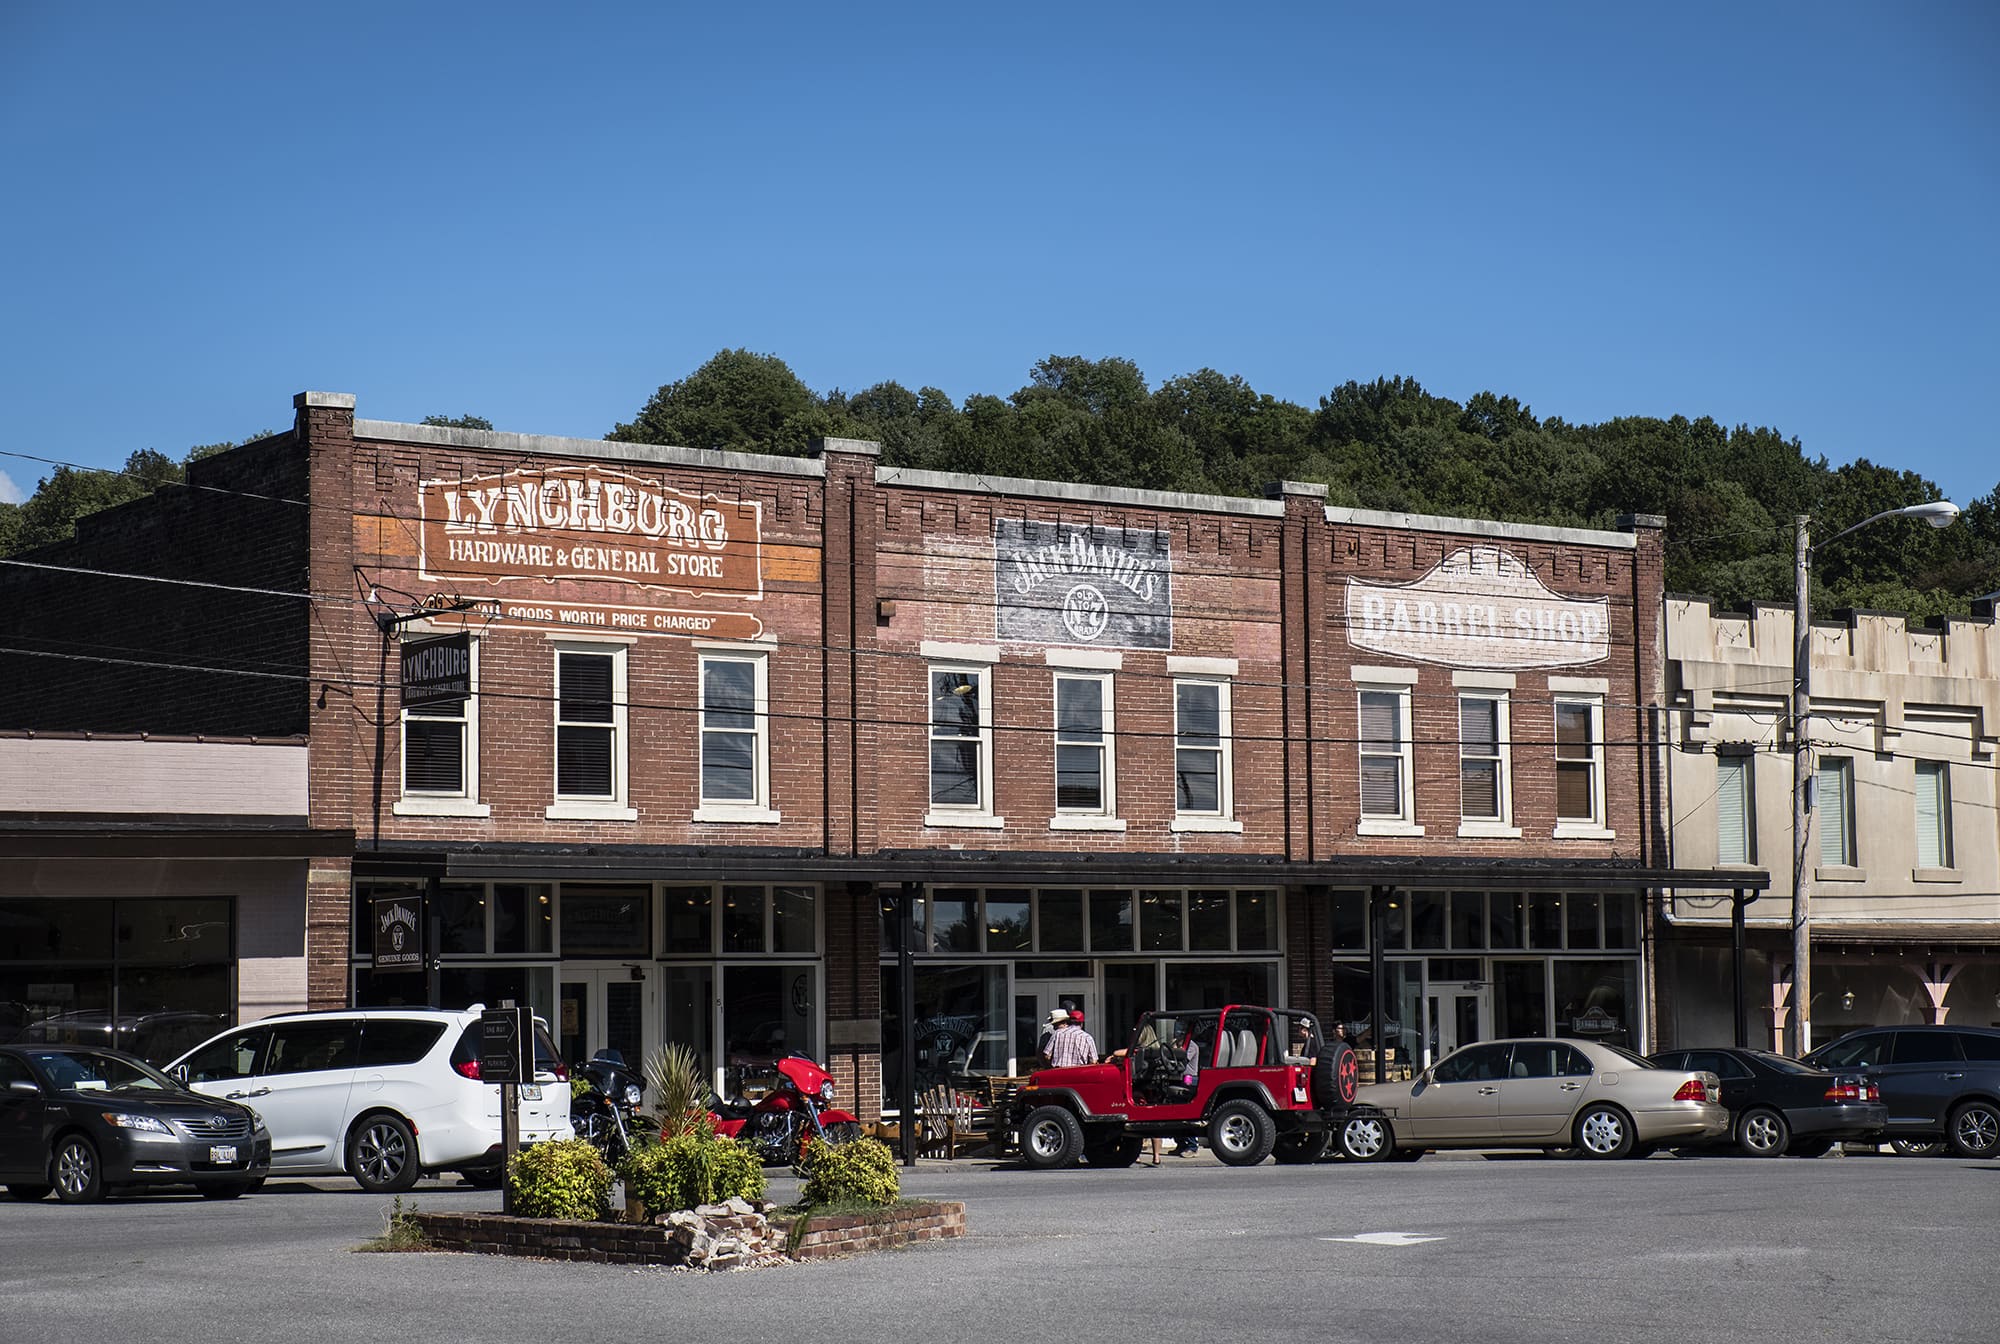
1598, 1099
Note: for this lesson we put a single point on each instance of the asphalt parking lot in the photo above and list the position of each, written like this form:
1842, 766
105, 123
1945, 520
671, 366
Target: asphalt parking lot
1447, 1249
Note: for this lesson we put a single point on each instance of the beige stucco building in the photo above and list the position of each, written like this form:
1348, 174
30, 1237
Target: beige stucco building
1905, 899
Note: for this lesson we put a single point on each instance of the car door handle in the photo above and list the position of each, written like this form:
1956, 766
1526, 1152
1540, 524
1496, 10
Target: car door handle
1489, 1091
1953, 1077
1572, 1087
238, 1096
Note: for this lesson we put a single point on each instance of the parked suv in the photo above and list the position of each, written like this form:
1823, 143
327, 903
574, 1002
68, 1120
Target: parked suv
380, 1094
1935, 1081
1256, 1081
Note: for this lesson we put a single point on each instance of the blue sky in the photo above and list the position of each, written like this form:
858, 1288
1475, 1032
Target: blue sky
1779, 214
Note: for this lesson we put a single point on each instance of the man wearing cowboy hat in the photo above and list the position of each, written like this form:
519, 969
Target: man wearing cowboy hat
1058, 1017
1071, 1045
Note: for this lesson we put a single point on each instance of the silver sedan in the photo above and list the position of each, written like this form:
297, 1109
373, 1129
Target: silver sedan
1599, 1099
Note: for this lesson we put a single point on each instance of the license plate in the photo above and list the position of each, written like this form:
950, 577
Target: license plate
531, 1092
222, 1154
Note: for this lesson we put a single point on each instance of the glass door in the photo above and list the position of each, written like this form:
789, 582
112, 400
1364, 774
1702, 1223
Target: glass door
1457, 1015
604, 1008
1034, 1000
768, 1011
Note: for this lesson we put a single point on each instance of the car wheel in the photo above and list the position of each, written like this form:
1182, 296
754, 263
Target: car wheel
382, 1155
79, 1175
1917, 1147
1296, 1150
1242, 1133
1975, 1129
1810, 1148
1763, 1133
1605, 1132
232, 1190
1051, 1138
1367, 1138
27, 1192
1114, 1152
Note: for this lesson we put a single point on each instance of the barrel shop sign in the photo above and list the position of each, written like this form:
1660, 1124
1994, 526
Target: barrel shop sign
1481, 607
600, 532
1059, 583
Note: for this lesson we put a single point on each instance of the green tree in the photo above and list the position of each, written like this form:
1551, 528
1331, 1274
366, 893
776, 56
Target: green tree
457, 421
738, 401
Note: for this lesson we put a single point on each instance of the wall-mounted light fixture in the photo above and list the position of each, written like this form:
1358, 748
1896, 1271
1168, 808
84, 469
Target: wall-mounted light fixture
1847, 1002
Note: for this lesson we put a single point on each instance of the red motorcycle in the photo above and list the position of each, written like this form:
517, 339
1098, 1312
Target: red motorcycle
796, 1111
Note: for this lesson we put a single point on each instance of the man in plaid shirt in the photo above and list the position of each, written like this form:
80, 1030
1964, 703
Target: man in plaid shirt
1072, 1045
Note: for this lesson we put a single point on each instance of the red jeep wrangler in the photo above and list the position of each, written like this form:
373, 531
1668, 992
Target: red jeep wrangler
1259, 1080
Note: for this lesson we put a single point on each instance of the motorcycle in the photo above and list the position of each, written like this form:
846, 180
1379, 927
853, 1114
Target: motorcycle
796, 1112
605, 1109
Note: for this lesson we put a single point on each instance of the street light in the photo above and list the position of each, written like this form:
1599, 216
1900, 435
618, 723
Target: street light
1938, 513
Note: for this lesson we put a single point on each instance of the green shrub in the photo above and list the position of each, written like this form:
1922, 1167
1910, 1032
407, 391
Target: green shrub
567, 1179
686, 1170
860, 1172
680, 1093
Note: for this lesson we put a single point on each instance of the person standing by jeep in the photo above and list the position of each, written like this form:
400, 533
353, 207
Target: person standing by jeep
1058, 1019
1071, 1045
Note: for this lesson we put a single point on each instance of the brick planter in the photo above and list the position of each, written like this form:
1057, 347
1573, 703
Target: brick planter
660, 1243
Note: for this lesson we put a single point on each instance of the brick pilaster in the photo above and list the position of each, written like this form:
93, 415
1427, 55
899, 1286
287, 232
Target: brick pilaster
1301, 573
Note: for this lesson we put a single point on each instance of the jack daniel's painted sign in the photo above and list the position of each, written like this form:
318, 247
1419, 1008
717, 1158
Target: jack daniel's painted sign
1058, 583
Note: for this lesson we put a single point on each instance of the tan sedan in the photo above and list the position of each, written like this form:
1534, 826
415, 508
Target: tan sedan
1599, 1099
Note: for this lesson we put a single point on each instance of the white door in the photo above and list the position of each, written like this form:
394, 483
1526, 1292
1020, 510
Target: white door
1034, 1000
605, 1007
1459, 1015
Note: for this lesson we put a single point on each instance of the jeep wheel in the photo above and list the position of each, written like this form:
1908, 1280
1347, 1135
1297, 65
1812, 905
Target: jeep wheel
1295, 1150
1367, 1138
1117, 1151
1051, 1138
1242, 1133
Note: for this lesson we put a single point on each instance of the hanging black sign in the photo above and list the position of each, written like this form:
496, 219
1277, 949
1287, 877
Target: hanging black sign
399, 934
504, 1034
437, 671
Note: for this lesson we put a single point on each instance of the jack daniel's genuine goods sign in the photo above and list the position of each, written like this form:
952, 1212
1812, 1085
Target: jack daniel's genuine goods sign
399, 938
1058, 583
1481, 607
602, 534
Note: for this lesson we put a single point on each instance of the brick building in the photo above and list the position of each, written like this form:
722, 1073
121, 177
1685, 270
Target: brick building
698, 732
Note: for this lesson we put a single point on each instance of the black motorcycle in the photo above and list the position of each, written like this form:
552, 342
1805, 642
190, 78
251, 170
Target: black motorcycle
607, 1108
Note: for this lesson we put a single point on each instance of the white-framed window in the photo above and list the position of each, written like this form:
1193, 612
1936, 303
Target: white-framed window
1203, 787
1735, 809
1933, 801
1579, 730
441, 755
1485, 784
735, 715
961, 745
1833, 810
1388, 802
1085, 762
591, 731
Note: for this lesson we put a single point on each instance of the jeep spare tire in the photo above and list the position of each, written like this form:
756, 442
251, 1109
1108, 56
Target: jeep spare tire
1336, 1073
1051, 1138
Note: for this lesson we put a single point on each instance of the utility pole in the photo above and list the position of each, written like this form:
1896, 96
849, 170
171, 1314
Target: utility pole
1802, 789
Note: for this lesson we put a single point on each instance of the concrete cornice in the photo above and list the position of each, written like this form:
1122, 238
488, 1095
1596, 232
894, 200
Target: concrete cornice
909, 478
1482, 527
544, 445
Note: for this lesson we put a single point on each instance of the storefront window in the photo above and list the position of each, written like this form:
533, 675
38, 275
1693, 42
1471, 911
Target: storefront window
607, 921
743, 919
1582, 908
1256, 921
1160, 921
1060, 915
794, 920
1503, 920
961, 1026
1594, 1000
689, 918
1208, 984
1520, 998
1110, 921
461, 911
1545, 921
1620, 926
365, 894
767, 1013
1008, 925
953, 921
1468, 919
1208, 921
523, 918
1426, 919
1350, 920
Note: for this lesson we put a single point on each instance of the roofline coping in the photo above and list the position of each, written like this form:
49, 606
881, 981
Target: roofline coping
548, 445
910, 478
1484, 527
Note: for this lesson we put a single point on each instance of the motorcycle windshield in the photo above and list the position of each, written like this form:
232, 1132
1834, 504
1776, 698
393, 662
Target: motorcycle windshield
803, 1074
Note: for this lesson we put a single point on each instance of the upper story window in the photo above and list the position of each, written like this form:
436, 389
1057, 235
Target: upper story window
1202, 774
1388, 802
1579, 732
441, 755
1834, 811
1933, 800
1084, 759
1735, 814
961, 745
591, 746
735, 738
1485, 786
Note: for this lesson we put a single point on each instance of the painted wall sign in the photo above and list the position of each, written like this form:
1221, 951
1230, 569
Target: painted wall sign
1058, 583
588, 523
1481, 607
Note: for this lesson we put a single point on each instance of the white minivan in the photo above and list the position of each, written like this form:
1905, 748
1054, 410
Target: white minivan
380, 1094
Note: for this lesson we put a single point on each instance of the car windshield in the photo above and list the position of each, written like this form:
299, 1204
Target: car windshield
1782, 1063
88, 1071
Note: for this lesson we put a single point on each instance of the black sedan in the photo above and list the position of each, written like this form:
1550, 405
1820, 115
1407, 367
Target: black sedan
1778, 1105
82, 1121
